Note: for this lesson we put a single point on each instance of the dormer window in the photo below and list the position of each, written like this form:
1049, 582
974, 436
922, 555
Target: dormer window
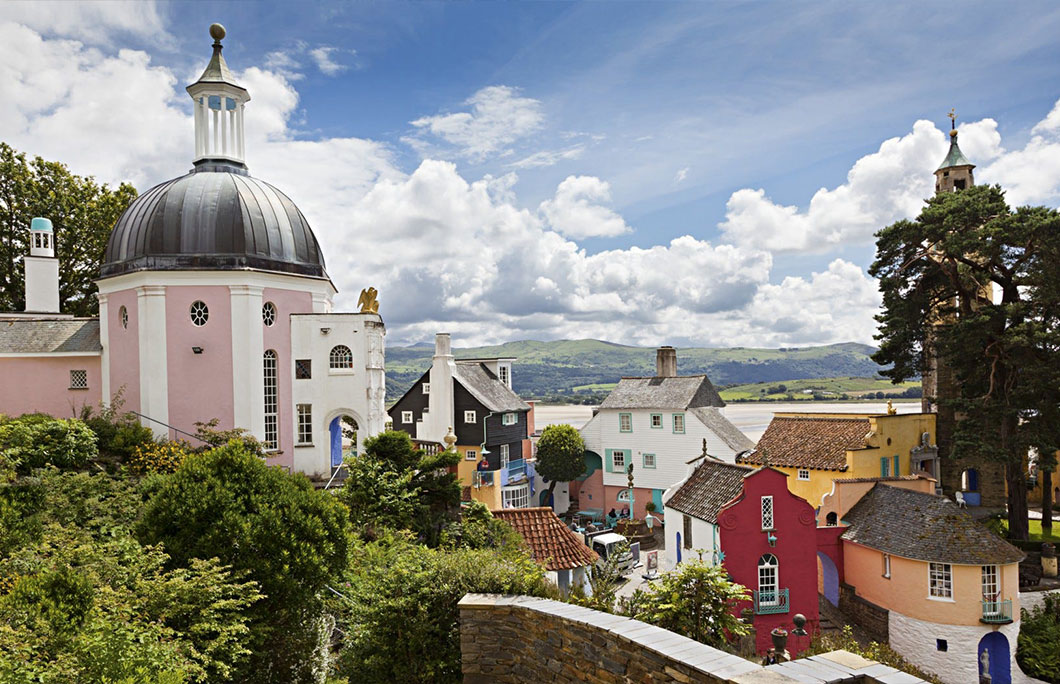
505, 375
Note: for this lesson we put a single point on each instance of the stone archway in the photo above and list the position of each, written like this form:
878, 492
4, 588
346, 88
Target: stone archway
345, 435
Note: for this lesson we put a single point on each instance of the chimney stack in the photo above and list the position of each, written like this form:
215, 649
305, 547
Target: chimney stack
666, 362
42, 269
443, 346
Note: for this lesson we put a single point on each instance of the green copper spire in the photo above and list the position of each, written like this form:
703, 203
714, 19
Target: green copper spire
954, 157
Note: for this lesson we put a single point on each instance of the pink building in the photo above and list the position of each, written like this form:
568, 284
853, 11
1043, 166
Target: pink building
214, 303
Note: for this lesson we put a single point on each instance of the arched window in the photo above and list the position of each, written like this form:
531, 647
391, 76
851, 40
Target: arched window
341, 358
831, 520
767, 581
272, 423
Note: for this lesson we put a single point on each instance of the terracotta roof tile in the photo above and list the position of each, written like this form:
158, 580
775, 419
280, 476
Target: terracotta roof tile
550, 541
712, 485
809, 442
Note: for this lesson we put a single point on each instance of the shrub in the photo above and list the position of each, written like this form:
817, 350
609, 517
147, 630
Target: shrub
117, 433
159, 457
35, 441
881, 653
1037, 652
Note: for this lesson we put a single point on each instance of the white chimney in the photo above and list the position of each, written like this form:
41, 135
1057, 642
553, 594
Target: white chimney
666, 362
42, 269
439, 416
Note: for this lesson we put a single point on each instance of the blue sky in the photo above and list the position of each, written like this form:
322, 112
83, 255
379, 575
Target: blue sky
598, 128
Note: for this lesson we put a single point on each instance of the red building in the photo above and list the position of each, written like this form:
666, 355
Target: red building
769, 540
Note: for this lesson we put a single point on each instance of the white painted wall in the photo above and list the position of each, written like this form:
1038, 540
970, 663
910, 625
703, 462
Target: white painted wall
154, 367
358, 393
42, 284
672, 451
915, 640
704, 537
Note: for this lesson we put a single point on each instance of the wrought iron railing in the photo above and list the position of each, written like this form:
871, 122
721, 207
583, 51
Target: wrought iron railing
997, 612
771, 601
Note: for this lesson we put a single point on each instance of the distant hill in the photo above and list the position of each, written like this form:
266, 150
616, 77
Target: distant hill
554, 369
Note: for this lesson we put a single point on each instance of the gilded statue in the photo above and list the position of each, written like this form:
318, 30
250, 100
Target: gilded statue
368, 301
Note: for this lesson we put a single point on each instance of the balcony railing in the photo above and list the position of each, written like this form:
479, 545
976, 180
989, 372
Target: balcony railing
483, 478
771, 601
997, 612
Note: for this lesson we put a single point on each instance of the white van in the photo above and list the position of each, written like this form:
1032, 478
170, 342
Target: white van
607, 544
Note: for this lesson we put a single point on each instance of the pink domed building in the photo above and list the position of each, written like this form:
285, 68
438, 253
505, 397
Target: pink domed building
214, 302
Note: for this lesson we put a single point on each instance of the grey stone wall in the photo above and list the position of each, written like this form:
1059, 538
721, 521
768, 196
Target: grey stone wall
872, 618
515, 639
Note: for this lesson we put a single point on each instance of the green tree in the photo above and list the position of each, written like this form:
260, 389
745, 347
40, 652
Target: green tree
397, 486
936, 274
560, 455
1037, 652
36, 441
695, 600
83, 213
398, 610
269, 526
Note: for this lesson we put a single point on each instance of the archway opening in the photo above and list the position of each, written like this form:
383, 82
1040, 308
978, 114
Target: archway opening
828, 579
994, 658
343, 432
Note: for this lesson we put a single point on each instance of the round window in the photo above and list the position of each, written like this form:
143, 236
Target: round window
200, 313
268, 314
123, 316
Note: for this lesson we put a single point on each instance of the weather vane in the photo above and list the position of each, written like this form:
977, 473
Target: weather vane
953, 118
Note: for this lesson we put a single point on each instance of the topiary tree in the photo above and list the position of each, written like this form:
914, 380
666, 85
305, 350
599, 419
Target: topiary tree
560, 455
268, 526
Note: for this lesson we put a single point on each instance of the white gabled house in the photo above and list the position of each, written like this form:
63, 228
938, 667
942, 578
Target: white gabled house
658, 424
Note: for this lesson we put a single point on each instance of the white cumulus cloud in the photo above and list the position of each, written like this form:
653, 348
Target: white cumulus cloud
576, 210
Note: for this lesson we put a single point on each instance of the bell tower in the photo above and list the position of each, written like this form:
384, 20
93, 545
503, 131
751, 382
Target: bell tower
955, 172
219, 103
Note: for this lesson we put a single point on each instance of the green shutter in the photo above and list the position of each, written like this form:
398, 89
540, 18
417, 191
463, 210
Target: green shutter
609, 462
884, 466
897, 467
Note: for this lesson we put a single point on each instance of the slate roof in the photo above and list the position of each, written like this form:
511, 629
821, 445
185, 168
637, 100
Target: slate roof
809, 442
924, 527
893, 478
487, 388
723, 428
550, 541
39, 336
681, 393
711, 485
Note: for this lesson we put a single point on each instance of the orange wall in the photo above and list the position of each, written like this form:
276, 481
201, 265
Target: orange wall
845, 494
906, 591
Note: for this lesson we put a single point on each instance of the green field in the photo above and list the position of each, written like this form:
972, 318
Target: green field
804, 390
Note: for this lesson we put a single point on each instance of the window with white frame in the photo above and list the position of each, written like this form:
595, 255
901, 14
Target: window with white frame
305, 423
505, 375
649, 460
804, 474
471, 455
767, 512
516, 497
268, 314
79, 379
200, 313
768, 595
679, 423
625, 422
991, 583
940, 580
656, 421
509, 419
470, 417
623, 496
341, 358
504, 455
618, 461
272, 428
887, 565
406, 417
426, 388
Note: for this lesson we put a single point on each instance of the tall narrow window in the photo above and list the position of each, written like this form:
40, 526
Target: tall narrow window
940, 580
767, 581
504, 455
625, 422
123, 316
687, 541
272, 428
679, 423
767, 512
885, 467
887, 565
505, 375
991, 583
341, 358
305, 423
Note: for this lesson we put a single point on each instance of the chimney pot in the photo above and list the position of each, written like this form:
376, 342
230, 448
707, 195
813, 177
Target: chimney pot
666, 362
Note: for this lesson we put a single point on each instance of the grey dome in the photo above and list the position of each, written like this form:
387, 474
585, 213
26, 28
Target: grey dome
215, 218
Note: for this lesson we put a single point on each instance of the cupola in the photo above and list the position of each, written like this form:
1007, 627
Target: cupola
219, 103
955, 172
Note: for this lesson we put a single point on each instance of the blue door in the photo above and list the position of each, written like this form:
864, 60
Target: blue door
335, 428
678, 547
995, 647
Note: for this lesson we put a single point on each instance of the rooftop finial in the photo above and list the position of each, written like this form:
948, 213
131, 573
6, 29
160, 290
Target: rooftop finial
217, 32
953, 121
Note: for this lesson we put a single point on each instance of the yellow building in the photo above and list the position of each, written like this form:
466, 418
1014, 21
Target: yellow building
816, 448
